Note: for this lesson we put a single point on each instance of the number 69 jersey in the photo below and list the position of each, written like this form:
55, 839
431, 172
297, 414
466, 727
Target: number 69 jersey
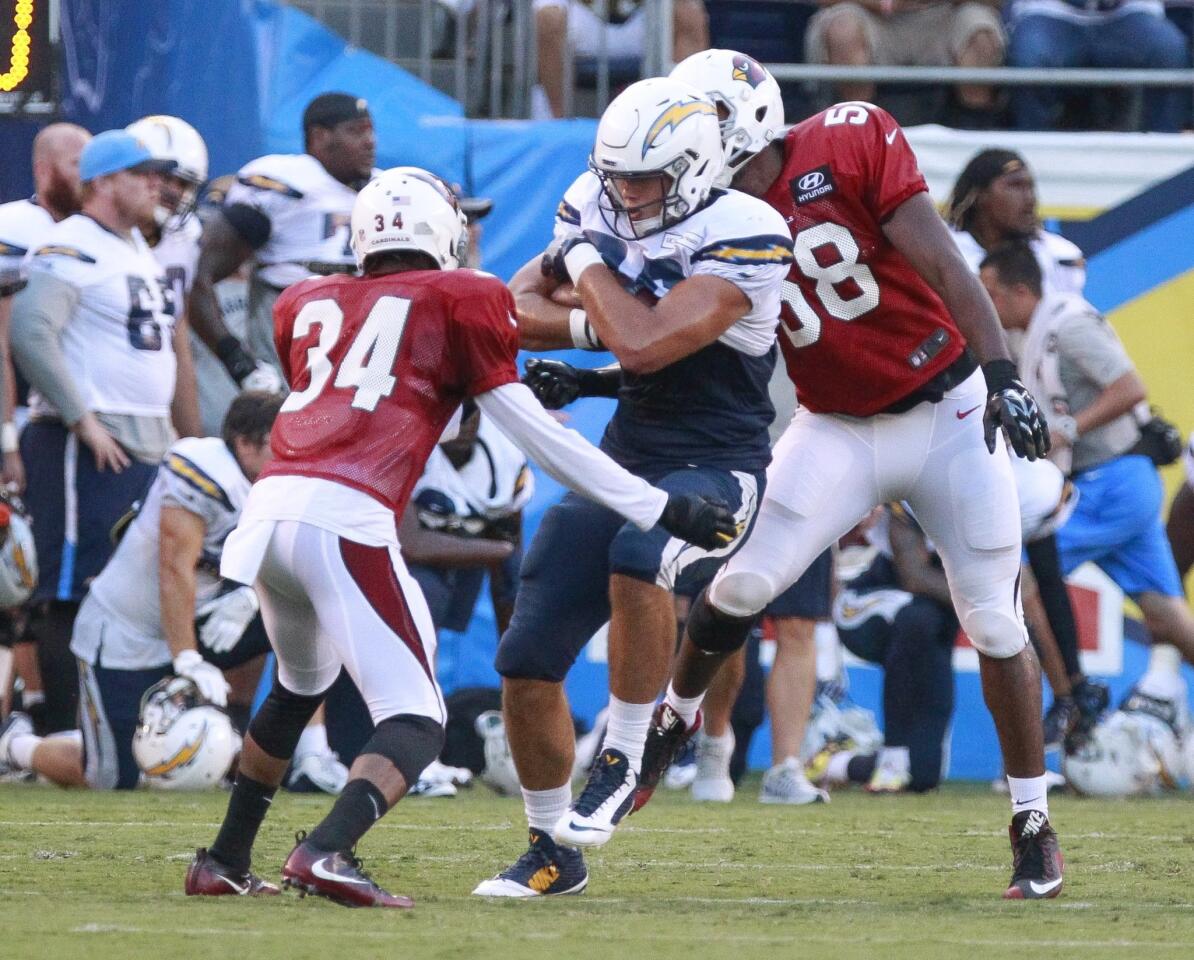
378, 365
861, 328
119, 340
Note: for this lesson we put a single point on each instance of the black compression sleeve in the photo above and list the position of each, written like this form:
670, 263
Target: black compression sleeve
1046, 568
252, 225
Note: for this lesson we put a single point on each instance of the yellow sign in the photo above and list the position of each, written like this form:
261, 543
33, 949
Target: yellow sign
18, 58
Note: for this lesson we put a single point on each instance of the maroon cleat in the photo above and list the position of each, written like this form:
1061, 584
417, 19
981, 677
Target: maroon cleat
337, 876
665, 740
207, 877
1036, 858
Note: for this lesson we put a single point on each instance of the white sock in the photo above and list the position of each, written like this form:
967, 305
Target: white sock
686, 707
21, 748
313, 739
545, 807
1029, 793
75, 735
895, 759
31, 698
626, 729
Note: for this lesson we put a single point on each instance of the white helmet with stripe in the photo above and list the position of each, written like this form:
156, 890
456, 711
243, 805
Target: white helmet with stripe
182, 741
172, 138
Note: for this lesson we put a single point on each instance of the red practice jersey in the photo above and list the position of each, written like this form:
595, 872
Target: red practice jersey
860, 328
378, 365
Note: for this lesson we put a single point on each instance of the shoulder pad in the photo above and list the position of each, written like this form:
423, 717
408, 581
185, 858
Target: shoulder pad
62, 250
259, 181
194, 477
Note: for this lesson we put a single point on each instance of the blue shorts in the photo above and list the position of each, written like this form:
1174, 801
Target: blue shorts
810, 597
57, 463
1117, 525
563, 592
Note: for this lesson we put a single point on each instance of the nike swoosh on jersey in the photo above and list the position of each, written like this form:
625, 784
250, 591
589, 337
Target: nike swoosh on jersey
962, 415
319, 871
1040, 889
890, 138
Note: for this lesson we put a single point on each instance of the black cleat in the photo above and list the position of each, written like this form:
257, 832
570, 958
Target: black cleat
547, 869
665, 742
1036, 858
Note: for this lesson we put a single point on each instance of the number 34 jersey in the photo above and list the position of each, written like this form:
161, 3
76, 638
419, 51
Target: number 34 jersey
861, 328
378, 365
119, 340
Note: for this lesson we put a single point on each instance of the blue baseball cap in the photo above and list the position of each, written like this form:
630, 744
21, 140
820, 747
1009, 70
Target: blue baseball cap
116, 150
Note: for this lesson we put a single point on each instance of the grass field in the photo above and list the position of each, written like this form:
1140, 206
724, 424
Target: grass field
94, 876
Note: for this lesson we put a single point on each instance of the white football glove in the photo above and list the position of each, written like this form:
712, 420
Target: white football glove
230, 614
206, 676
264, 377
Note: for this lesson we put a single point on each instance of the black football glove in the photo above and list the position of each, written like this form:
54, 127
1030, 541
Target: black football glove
555, 383
1011, 406
702, 521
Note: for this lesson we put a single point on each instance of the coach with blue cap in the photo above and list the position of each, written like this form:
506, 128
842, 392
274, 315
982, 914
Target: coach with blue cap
94, 333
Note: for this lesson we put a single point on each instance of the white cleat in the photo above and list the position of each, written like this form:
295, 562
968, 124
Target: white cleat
786, 783
317, 771
606, 799
712, 783
440, 780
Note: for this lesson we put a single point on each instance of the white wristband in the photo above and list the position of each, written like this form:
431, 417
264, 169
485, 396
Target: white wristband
579, 259
8, 438
583, 335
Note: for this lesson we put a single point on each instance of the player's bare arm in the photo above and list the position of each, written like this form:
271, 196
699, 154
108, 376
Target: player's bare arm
1120, 396
181, 546
434, 549
221, 253
543, 322
692, 315
184, 408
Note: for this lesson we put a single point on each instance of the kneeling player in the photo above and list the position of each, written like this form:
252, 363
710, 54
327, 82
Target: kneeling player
378, 364
138, 622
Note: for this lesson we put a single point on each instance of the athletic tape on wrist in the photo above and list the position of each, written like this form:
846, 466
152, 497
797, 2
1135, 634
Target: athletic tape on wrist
583, 335
580, 258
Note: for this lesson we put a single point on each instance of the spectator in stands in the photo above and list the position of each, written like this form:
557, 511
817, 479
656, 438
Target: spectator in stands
93, 333
897, 613
966, 33
1109, 33
1074, 362
560, 23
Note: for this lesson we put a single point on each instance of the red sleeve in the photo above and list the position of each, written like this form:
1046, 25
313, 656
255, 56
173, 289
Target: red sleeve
486, 337
892, 173
283, 328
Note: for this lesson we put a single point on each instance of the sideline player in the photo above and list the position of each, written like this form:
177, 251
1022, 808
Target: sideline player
378, 364
878, 310
692, 415
290, 214
137, 623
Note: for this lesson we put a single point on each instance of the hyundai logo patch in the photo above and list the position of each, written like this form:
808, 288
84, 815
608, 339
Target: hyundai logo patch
812, 185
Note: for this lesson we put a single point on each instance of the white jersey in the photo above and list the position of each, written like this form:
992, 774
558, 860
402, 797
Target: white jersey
1063, 268
493, 484
119, 342
309, 212
23, 225
199, 475
735, 236
178, 253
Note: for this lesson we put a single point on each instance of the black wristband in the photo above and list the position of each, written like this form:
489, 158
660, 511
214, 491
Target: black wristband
603, 382
999, 374
235, 358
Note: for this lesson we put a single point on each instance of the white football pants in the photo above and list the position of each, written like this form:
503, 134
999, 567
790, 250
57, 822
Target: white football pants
329, 603
829, 471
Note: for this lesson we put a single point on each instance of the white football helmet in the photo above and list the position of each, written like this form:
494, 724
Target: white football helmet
182, 741
747, 94
171, 138
18, 555
657, 128
408, 208
1121, 758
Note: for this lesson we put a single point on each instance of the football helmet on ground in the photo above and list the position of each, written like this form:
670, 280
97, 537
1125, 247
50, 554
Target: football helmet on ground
182, 741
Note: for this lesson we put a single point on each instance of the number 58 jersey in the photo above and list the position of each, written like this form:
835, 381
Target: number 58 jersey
860, 327
378, 365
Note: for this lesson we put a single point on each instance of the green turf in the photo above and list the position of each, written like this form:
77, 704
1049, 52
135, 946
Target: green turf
93, 876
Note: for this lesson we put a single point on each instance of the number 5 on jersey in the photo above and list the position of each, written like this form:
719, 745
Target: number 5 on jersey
369, 363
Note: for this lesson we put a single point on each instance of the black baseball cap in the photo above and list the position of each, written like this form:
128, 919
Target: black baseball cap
474, 207
329, 109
